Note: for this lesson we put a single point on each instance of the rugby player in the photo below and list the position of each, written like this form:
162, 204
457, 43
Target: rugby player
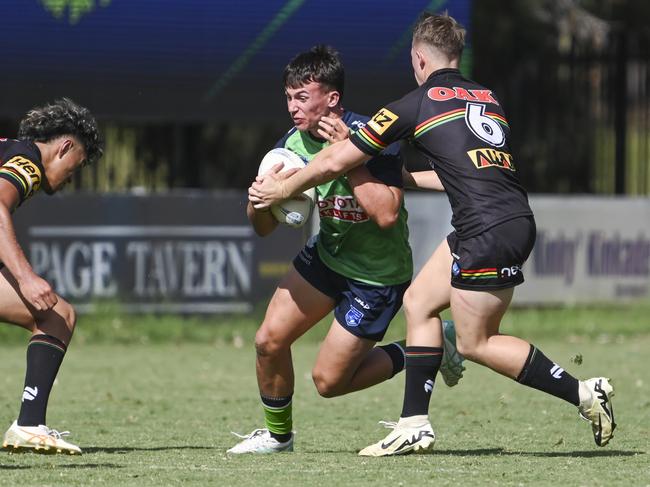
359, 264
53, 142
461, 127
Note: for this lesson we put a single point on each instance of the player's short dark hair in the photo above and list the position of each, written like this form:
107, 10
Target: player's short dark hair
441, 32
59, 118
320, 64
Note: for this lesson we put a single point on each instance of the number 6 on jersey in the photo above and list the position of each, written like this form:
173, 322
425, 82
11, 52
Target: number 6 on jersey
483, 126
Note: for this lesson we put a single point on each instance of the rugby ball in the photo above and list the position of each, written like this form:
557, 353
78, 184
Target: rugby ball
296, 211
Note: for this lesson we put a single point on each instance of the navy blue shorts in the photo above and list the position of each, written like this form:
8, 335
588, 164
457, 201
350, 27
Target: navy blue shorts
493, 259
362, 309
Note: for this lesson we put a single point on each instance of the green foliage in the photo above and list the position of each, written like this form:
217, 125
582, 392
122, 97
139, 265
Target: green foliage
75, 9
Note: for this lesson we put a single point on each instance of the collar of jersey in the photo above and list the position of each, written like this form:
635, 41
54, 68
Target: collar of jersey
443, 71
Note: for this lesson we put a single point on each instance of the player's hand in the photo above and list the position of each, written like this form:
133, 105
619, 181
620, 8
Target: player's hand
38, 292
274, 170
267, 190
333, 129
288, 173
277, 170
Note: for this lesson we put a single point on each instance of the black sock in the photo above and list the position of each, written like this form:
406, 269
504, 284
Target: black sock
44, 356
422, 364
546, 376
396, 353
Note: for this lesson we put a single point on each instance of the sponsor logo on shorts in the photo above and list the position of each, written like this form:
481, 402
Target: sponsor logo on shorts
383, 119
361, 303
455, 269
353, 317
305, 256
511, 271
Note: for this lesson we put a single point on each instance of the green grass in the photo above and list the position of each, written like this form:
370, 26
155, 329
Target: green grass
157, 408
112, 327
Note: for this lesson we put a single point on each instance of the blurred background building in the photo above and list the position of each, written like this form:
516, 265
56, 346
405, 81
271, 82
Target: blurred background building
189, 92
189, 96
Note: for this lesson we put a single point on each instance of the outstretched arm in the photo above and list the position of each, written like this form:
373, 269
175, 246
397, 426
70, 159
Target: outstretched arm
34, 289
422, 180
328, 164
380, 201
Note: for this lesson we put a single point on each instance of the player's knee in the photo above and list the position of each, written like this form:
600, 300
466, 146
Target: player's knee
470, 349
66, 313
267, 344
69, 316
419, 307
409, 302
325, 385
58, 322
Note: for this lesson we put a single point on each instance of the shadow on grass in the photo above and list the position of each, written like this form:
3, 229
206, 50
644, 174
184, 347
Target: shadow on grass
467, 453
579, 454
480, 452
71, 465
129, 449
548, 454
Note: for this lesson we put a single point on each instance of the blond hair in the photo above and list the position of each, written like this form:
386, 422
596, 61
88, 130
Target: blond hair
441, 32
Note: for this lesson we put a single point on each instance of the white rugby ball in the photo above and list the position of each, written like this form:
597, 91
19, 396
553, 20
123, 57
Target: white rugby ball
292, 212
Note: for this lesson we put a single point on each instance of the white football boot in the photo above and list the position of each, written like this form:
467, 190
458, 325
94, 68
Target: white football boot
261, 441
412, 434
451, 367
596, 407
40, 439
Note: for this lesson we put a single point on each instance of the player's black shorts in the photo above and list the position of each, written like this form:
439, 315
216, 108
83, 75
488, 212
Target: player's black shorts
493, 259
362, 309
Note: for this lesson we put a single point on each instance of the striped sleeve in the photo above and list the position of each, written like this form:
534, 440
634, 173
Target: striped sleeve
25, 175
396, 121
366, 142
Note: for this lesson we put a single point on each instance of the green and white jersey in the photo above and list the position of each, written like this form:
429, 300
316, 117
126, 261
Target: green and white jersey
349, 242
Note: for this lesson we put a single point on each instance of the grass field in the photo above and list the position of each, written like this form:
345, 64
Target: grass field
156, 407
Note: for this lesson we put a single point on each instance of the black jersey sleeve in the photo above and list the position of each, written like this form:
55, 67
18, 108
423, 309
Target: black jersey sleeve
390, 124
387, 166
23, 170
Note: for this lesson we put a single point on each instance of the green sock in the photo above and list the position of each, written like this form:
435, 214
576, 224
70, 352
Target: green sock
277, 416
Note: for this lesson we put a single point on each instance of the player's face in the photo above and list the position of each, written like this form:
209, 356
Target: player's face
308, 103
70, 156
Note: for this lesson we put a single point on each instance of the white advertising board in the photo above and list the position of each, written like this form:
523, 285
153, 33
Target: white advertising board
588, 249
